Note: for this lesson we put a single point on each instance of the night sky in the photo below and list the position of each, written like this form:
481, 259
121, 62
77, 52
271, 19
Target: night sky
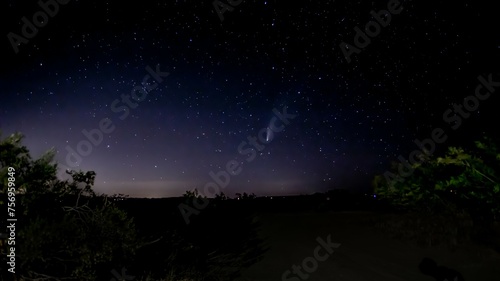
227, 79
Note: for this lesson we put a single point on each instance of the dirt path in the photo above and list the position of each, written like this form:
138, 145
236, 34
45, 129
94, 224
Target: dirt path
364, 254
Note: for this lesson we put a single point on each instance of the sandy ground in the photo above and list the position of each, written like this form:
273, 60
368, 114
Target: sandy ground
364, 253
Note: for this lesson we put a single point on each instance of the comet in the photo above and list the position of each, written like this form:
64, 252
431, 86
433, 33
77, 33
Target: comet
269, 134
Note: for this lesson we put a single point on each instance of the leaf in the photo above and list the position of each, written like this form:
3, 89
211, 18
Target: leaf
496, 188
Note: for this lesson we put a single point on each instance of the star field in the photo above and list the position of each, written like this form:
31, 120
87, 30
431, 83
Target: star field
226, 78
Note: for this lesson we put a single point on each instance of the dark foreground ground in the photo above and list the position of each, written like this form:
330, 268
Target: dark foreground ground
365, 253
290, 228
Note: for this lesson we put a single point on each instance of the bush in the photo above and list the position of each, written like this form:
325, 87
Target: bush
64, 229
67, 232
462, 183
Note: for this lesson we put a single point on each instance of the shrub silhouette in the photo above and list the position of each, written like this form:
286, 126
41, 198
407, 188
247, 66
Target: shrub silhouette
65, 231
462, 185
